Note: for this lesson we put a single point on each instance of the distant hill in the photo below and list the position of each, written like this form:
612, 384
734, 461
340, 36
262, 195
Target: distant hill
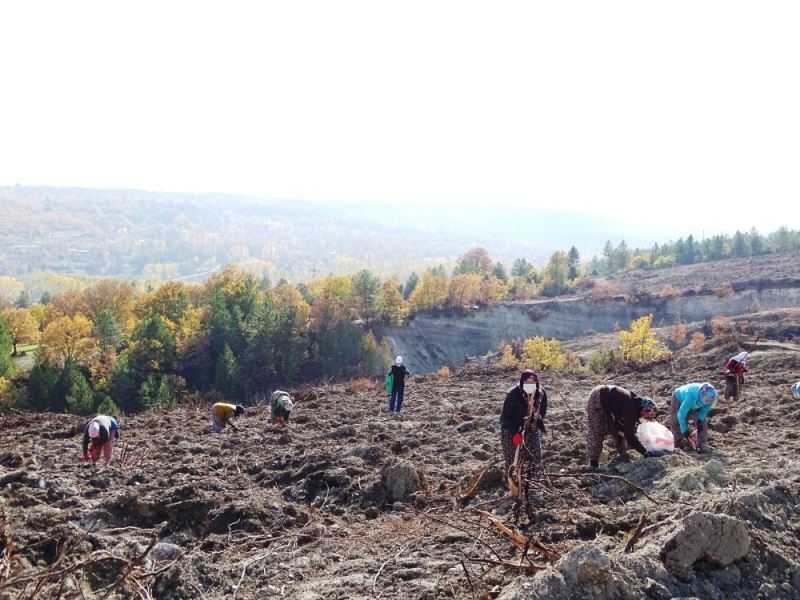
138, 234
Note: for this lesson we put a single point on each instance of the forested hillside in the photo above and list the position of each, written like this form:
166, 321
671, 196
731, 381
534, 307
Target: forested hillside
136, 234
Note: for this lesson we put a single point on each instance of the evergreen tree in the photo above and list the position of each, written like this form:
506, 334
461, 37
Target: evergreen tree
6, 345
573, 263
499, 271
740, 245
411, 285
521, 268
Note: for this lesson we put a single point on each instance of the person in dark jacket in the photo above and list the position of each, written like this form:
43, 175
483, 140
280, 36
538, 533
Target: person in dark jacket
525, 398
614, 410
399, 373
99, 435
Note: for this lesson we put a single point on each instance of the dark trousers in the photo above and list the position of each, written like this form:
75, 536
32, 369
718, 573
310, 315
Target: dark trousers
396, 400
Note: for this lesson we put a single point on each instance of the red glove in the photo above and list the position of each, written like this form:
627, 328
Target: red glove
516, 439
85, 458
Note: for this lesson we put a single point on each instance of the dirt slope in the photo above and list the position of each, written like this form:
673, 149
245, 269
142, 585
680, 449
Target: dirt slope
351, 503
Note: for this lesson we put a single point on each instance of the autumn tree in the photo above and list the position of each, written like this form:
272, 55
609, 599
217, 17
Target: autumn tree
430, 293
109, 296
463, 289
68, 338
474, 261
391, 305
539, 353
639, 344
492, 289
169, 300
21, 326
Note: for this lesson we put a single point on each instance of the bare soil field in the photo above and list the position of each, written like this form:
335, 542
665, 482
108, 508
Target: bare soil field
781, 267
350, 502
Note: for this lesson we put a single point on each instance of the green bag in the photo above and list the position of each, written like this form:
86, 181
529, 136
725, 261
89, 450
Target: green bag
389, 384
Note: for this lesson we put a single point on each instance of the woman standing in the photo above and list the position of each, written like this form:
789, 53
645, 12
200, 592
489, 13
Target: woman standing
521, 421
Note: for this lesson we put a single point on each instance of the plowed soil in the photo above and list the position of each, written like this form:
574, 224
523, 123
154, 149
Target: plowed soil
352, 502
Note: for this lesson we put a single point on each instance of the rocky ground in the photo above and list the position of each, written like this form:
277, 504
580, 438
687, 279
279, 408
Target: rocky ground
350, 502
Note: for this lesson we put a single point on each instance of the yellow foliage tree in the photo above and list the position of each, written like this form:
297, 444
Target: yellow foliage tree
22, 326
640, 345
492, 290
68, 338
391, 304
431, 292
539, 353
464, 289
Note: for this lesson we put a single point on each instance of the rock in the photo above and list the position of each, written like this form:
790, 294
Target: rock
400, 481
310, 532
585, 564
371, 512
165, 551
546, 585
714, 467
655, 590
716, 539
344, 431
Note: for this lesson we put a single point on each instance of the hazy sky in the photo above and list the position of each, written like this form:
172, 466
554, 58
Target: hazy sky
652, 112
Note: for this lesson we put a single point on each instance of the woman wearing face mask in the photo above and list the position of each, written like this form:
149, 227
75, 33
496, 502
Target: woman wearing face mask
525, 398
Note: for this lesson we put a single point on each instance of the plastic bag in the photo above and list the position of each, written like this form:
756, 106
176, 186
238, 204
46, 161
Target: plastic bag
655, 437
389, 384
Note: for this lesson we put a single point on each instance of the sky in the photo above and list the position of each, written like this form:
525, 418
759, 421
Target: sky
654, 114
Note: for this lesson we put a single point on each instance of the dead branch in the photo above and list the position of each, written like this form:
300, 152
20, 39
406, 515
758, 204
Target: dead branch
462, 530
636, 533
375, 579
520, 540
529, 568
474, 485
606, 476
131, 565
244, 570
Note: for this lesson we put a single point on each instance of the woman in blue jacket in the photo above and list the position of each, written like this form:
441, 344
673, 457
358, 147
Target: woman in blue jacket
692, 400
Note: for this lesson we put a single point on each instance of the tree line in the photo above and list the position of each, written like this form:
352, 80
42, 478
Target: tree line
110, 347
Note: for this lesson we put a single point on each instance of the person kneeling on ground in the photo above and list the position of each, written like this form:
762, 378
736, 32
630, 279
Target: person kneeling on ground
99, 435
281, 407
223, 413
614, 410
697, 399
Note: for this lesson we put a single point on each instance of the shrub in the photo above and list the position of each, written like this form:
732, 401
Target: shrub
108, 407
725, 289
639, 344
721, 327
697, 341
507, 358
603, 290
602, 362
669, 291
539, 354
443, 373
362, 385
677, 335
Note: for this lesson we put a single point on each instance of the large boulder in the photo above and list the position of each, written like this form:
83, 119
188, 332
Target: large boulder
716, 539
